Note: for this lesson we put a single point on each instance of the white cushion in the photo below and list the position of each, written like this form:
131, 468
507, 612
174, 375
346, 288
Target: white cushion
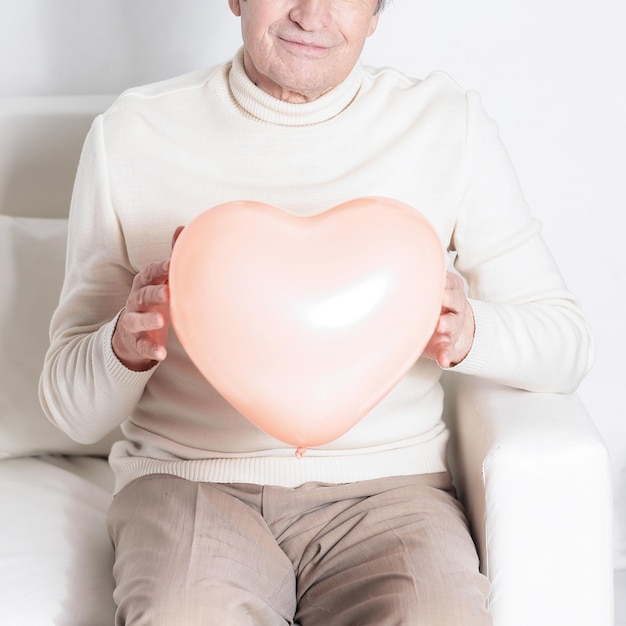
32, 261
56, 558
41, 143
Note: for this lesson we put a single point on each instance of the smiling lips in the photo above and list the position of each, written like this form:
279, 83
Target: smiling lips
312, 47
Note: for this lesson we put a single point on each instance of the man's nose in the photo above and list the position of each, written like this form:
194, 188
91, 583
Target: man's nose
311, 15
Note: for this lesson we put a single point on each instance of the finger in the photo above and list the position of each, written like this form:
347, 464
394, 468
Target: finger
152, 274
150, 350
453, 340
148, 297
454, 294
448, 325
444, 360
176, 234
135, 323
444, 352
453, 281
441, 350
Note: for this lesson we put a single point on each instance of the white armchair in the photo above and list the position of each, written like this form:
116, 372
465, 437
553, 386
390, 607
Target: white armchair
530, 468
533, 474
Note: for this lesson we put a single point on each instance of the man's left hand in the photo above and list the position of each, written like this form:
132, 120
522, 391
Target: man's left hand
454, 333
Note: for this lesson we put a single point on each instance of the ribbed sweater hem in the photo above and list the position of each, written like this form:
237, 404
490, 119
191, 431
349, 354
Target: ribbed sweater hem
289, 471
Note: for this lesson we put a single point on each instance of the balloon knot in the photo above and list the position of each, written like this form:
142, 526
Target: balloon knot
300, 452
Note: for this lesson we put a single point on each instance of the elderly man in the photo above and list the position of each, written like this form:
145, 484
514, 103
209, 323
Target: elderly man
214, 521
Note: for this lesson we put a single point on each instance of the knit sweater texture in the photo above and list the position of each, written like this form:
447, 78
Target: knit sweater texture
164, 153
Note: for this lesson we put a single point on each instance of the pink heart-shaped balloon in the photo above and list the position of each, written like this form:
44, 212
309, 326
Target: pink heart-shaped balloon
305, 323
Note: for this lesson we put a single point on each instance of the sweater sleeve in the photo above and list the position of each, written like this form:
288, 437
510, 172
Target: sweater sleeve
530, 331
84, 389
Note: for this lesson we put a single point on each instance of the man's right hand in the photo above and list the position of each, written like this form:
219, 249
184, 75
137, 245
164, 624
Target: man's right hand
140, 335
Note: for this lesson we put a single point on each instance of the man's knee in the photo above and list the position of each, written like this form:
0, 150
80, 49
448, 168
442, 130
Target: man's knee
209, 603
388, 600
461, 599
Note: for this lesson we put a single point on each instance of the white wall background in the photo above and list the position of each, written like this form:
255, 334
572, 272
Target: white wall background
551, 73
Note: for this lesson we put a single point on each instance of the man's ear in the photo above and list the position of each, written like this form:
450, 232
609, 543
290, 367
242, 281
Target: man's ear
235, 7
373, 25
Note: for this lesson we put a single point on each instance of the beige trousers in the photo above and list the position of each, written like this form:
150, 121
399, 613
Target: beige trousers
393, 551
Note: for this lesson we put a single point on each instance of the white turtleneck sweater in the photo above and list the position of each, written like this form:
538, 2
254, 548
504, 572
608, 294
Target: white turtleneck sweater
164, 153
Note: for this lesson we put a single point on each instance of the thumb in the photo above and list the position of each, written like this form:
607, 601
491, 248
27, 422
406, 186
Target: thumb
176, 234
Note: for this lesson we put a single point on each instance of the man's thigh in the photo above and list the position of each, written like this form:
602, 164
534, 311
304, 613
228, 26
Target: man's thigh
192, 553
391, 551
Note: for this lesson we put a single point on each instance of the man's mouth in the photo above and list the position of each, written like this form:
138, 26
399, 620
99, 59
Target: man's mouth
308, 47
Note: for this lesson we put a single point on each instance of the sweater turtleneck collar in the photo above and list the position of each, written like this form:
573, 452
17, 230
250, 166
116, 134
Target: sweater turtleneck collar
260, 105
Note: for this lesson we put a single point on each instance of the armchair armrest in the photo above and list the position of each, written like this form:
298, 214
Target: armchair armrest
533, 474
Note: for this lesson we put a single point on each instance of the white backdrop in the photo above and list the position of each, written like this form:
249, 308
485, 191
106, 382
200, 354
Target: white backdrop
551, 73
